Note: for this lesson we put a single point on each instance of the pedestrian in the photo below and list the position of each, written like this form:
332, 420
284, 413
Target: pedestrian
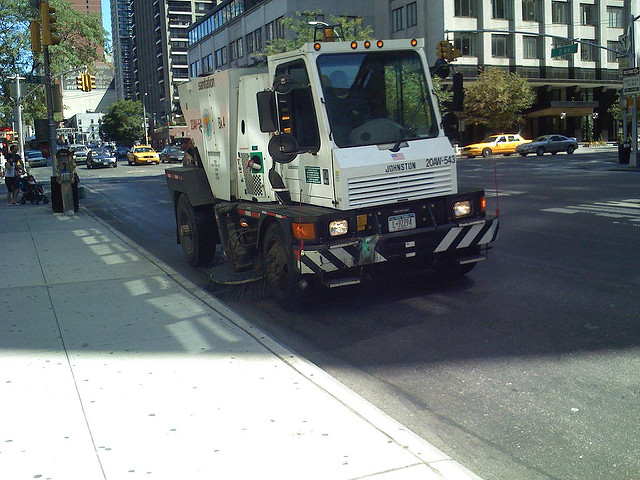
11, 179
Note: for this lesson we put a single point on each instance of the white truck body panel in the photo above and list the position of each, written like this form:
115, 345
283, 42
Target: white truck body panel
210, 107
369, 176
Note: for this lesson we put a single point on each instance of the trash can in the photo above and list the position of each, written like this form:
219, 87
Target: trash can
624, 153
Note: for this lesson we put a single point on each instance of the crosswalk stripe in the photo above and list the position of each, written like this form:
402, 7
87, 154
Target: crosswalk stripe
628, 209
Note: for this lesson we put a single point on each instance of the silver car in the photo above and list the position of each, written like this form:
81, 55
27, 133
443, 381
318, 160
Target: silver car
34, 158
548, 144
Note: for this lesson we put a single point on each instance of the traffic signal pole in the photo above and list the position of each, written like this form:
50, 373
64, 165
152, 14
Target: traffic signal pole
50, 37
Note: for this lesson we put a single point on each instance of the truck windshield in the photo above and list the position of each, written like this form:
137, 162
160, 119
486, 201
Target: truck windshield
376, 97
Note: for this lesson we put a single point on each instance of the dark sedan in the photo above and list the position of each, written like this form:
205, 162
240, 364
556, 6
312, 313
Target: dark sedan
121, 152
171, 154
101, 157
548, 144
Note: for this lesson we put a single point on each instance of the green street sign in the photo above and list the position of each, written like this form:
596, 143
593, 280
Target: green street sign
564, 50
34, 79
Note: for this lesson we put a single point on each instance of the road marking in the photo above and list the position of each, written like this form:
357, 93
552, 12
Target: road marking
491, 193
623, 209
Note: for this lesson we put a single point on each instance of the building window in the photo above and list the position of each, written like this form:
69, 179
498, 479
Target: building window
249, 39
465, 8
612, 56
560, 12
588, 53
396, 19
589, 14
412, 14
500, 9
466, 43
207, 63
531, 10
221, 57
233, 51
501, 46
239, 49
615, 17
257, 39
531, 47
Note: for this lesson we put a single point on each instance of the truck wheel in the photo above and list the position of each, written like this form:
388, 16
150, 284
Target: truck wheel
280, 273
196, 233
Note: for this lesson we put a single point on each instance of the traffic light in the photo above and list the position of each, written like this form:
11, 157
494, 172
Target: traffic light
447, 51
91, 81
50, 34
34, 30
458, 92
80, 82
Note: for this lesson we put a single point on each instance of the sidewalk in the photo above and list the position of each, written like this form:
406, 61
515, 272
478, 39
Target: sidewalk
113, 366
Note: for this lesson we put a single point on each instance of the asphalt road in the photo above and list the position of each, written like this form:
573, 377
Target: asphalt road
529, 368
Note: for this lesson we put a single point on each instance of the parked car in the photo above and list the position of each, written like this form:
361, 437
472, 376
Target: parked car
34, 158
121, 152
500, 144
80, 153
549, 143
143, 154
171, 154
101, 157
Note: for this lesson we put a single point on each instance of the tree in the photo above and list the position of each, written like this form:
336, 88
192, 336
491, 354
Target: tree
303, 32
123, 122
81, 36
496, 100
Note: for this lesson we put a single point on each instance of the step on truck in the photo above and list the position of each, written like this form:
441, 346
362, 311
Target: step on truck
328, 162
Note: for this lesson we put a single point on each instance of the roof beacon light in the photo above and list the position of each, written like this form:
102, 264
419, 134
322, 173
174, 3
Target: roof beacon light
414, 42
354, 45
367, 44
379, 44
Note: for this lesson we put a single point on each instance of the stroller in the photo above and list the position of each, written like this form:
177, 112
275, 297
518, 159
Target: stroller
32, 191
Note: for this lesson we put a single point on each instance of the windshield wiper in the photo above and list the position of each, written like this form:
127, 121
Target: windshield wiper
407, 133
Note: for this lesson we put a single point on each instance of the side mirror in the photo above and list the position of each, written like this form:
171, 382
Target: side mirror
267, 114
283, 84
283, 148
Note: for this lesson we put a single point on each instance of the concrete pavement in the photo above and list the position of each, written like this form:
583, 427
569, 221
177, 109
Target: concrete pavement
113, 366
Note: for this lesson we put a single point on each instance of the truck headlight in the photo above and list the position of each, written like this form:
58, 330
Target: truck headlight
462, 209
338, 227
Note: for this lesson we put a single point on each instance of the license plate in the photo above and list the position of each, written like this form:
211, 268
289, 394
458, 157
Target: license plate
397, 223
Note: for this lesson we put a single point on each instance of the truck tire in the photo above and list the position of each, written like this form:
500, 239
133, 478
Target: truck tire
280, 273
196, 233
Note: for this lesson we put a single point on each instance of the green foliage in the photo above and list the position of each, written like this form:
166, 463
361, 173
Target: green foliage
81, 34
443, 95
496, 100
298, 25
123, 122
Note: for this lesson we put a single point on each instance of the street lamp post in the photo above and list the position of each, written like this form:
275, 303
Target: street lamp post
144, 112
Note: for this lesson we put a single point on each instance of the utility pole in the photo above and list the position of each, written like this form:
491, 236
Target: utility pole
17, 115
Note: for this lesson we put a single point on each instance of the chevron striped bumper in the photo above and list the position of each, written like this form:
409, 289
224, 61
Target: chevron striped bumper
454, 242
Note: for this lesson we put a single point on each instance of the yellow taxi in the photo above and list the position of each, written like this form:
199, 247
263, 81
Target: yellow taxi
140, 154
500, 144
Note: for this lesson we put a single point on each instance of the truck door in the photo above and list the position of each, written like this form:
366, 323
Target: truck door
310, 171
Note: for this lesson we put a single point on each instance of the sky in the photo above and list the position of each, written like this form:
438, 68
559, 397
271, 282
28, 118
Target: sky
106, 15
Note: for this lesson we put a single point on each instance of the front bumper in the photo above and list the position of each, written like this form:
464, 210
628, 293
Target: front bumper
454, 242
